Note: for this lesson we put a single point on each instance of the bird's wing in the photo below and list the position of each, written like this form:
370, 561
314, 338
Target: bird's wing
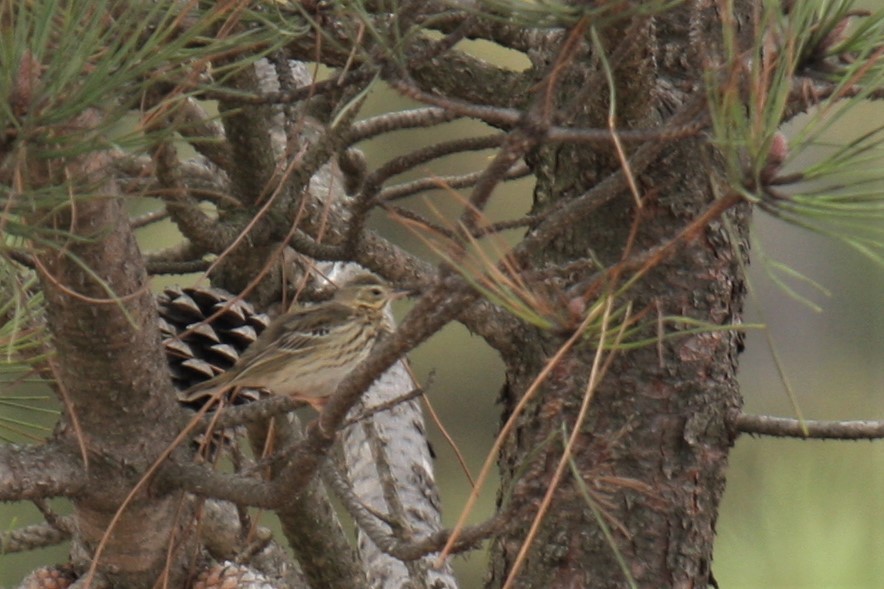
205, 389
296, 333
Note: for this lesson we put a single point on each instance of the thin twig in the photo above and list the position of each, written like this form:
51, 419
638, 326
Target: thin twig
148, 218
176, 267
508, 118
415, 158
397, 121
385, 406
394, 544
782, 427
398, 191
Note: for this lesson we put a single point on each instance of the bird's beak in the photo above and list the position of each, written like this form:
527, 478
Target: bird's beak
400, 294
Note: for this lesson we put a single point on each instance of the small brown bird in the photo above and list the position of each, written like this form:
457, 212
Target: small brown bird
306, 352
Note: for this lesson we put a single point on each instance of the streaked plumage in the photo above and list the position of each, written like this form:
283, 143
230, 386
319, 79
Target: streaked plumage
306, 352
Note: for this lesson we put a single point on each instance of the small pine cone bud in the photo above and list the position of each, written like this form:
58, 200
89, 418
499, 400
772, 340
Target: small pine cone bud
777, 155
205, 331
779, 150
49, 577
231, 576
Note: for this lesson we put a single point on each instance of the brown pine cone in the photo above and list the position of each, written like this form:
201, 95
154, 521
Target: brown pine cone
205, 331
50, 577
232, 576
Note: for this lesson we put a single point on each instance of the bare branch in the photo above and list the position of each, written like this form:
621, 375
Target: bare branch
247, 128
204, 134
175, 267
397, 191
401, 543
396, 121
781, 427
149, 218
479, 27
136, 176
253, 412
36, 472
205, 482
33, 537
308, 518
507, 118
198, 227
182, 253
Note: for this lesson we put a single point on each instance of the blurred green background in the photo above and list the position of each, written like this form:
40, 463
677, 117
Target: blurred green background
795, 514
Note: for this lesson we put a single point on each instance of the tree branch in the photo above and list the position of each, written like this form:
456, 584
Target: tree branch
33, 537
202, 481
36, 472
781, 427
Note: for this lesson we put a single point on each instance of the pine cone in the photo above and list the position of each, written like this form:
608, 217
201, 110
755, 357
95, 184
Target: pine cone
205, 331
49, 577
232, 576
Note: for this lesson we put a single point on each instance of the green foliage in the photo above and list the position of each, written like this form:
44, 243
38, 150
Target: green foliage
839, 195
61, 59
88, 76
20, 331
23, 340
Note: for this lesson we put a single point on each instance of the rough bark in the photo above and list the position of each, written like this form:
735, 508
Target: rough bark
101, 313
653, 451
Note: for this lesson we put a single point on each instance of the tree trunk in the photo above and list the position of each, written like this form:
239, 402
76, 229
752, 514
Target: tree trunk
653, 448
102, 313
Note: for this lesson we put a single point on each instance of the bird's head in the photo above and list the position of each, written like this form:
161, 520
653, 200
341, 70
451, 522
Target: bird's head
367, 291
